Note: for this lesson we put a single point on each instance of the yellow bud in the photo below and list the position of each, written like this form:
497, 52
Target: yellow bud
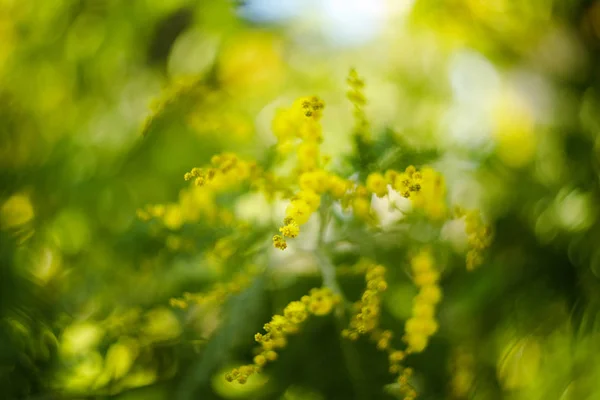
271, 355
260, 360
377, 184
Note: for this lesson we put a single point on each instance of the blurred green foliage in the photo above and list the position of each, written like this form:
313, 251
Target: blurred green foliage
104, 105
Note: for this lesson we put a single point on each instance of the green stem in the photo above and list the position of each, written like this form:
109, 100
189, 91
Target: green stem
328, 274
327, 269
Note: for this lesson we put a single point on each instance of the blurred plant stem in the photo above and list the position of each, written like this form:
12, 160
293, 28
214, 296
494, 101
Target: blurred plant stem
327, 269
328, 274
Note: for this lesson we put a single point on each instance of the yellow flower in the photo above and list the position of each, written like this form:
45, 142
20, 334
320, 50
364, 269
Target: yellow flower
279, 242
321, 301
423, 309
478, 239
311, 198
377, 184
430, 294
337, 186
357, 97
422, 262
368, 308
260, 360
361, 208
318, 302
426, 278
290, 230
296, 312
308, 156
417, 343
310, 106
422, 324
299, 211
431, 196
314, 180
284, 125
402, 184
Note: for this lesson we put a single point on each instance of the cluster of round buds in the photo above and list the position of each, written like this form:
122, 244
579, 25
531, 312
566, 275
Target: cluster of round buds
426, 188
241, 374
312, 106
318, 302
359, 199
200, 176
226, 169
368, 308
308, 156
279, 242
405, 388
219, 292
431, 198
479, 236
377, 184
357, 97
422, 324
407, 182
305, 203
300, 121
395, 358
382, 338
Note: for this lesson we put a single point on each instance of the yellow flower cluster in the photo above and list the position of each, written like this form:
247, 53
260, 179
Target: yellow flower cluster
395, 358
368, 308
366, 321
377, 184
406, 183
195, 203
297, 213
360, 201
431, 197
303, 204
219, 292
199, 202
405, 388
227, 170
300, 123
318, 302
425, 188
479, 236
422, 324
307, 184
357, 97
